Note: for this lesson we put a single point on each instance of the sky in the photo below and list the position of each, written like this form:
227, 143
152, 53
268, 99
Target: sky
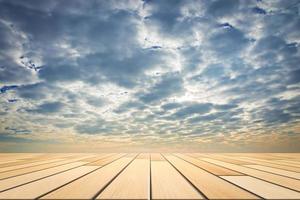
167, 75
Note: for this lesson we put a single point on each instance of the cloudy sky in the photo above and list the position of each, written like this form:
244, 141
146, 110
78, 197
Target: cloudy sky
149, 75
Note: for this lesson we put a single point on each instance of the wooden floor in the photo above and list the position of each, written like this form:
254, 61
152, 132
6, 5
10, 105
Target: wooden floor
150, 176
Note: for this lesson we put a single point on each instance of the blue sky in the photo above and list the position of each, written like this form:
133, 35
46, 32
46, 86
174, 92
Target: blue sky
149, 75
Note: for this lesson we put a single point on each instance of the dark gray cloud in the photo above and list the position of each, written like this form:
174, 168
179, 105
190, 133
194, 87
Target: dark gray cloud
193, 108
35, 91
170, 106
102, 127
127, 106
47, 108
221, 8
168, 85
228, 41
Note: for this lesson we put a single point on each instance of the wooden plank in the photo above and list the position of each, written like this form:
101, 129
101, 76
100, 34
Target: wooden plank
35, 189
263, 188
156, 157
265, 156
132, 183
207, 183
293, 162
226, 159
88, 186
217, 170
19, 180
106, 160
277, 179
18, 162
26, 164
258, 161
288, 155
13, 173
17, 156
279, 166
167, 183
275, 171
11, 168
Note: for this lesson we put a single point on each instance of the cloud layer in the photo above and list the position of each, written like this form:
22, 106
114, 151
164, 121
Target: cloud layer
218, 75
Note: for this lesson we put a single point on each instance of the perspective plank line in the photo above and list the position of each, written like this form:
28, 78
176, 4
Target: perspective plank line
153, 176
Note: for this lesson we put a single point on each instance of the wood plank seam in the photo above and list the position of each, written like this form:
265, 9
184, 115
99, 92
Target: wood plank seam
31, 166
109, 182
41, 169
81, 176
274, 167
263, 161
239, 173
261, 178
272, 172
20, 162
199, 191
150, 181
47, 176
220, 177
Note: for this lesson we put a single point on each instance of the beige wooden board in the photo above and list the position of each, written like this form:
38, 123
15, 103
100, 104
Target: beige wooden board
294, 162
211, 186
217, 170
18, 180
288, 155
167, 183
20, 162
97, 157
34, 174
227, 159
267, 156
93, 182
276, 171
25, 170
35, 189
263, 188
280, 180
257, 160
41, 157
132, 183
5, 169
264, 156
266, 163
143, 156
7, 161
17, 156
106, 160
156, 157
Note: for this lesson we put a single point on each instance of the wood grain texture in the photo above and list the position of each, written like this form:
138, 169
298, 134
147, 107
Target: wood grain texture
167, 183
132, 183
149, 176
277, 179
94, 182
275, 171
19, 180
265, 161
217, 170
263, 188
207, 183
28, 165
35, 189
277, 164
25, 170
